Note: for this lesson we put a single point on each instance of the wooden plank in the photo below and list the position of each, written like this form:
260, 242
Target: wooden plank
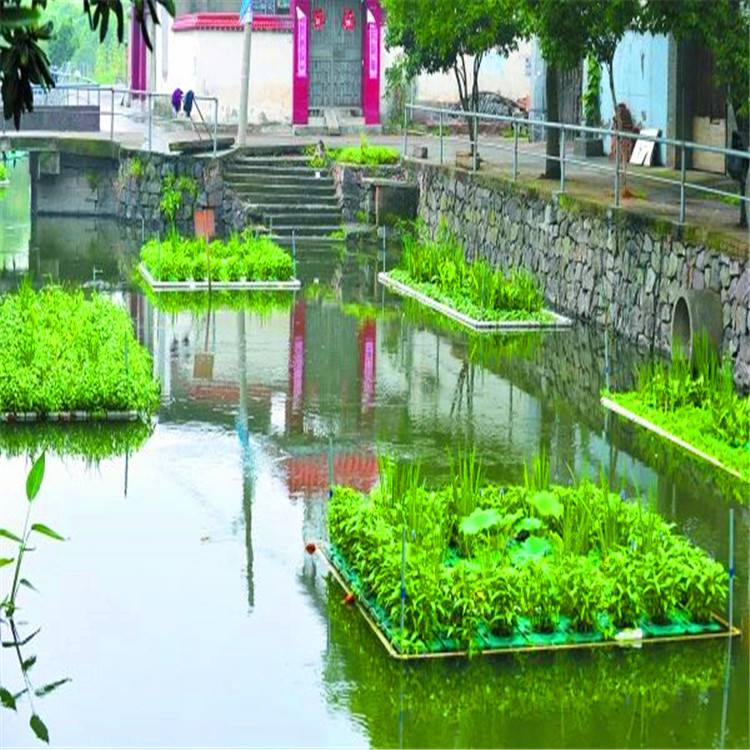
643, 422
559, 321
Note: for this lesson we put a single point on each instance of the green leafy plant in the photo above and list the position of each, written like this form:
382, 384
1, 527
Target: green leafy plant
173, 191
540, 563
241, 257
591, 94
9, 606
61, 352
438, 269
695, 399
3, 173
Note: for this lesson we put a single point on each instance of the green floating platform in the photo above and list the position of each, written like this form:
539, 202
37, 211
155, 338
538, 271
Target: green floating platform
523, 638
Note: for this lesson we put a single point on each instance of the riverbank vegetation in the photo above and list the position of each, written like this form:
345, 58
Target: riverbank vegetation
438, 268
242, 257
697, 402
534, 564
62, 352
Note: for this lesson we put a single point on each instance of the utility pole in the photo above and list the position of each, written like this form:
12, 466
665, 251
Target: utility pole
246, 17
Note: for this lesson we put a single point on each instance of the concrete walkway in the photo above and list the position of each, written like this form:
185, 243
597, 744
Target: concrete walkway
713, 218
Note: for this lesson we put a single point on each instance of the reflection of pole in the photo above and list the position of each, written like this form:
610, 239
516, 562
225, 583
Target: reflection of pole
725, 694
731, 568
127, 456
247, 462
403, 585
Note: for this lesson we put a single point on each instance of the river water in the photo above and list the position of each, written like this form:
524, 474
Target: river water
183, 608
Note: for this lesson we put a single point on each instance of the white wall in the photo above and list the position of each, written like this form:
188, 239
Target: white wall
508, 76
209, 63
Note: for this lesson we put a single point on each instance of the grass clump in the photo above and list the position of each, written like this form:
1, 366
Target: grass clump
695, 400
365, 154
3, 173
492, 567
243, 257
438, 268
62, 352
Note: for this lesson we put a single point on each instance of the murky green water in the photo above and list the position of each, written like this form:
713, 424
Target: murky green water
184, 609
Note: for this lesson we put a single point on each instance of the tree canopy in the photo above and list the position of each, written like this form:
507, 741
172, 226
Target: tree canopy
25, 29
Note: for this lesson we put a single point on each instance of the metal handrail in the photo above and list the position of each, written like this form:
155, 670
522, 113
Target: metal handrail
149, 96
515, 121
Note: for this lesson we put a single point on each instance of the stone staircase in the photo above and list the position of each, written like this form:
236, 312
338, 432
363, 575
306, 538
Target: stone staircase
286, 195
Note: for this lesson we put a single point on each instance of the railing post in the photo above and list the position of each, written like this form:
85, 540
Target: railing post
406, 108
617, 170
562, 159
515, 149
216, 126
112, 116
475, 150
441, 136
150, 124
682, 183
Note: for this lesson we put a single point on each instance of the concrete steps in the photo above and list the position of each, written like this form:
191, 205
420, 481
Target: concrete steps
286, 193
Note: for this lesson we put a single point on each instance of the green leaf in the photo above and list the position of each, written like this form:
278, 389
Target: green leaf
40, 528
546, 503
7, 699
34, 479
10, 535
533, 548
6, 561
37, 726
529, 524
18, 17
47, 689
27, 583
480, 520
27, 664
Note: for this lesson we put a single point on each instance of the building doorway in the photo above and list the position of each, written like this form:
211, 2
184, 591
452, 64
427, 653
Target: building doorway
336, 55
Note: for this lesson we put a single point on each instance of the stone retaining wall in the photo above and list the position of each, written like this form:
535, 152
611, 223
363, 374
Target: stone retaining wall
138, 187
352, 190
596, 264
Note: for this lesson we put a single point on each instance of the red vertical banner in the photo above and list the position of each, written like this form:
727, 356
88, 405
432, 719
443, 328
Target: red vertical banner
367, 343
297, 360
371, 34
300, 10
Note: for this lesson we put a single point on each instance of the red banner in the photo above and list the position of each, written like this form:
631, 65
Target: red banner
319, 18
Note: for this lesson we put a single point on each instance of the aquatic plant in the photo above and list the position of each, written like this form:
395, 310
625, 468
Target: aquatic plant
438, 268
8, 605
62, 352
173, 191
695, 399
241, 257
490, 566
3, 173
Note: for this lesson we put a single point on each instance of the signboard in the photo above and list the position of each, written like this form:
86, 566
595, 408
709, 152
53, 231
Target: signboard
246, 12
347, 20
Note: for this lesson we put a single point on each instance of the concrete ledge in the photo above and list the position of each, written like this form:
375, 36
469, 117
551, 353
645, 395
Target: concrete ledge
608, 403
405, 290
203, 286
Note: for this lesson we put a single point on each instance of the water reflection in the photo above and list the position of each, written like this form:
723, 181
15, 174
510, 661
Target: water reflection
202, 574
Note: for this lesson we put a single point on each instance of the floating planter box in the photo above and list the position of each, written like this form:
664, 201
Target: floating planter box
66, 358
203, 286
388, 634
243, 262
620, 410
550, 320
470, 567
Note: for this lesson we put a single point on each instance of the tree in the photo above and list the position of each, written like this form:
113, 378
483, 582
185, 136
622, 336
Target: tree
446, 36
23, 29
63, 44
